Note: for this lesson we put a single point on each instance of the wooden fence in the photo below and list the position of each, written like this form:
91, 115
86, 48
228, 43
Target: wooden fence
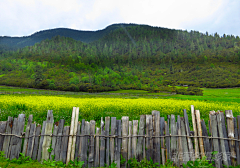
150, 137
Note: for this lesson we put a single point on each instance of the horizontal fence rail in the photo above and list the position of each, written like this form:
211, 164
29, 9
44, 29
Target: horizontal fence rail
151, 137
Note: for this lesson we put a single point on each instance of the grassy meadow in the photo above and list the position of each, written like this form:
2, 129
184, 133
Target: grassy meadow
133, 104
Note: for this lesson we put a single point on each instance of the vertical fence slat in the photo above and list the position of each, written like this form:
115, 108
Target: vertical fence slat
96, 160
230, 128
149, 133
3, 125
85, 143
118, 142
207, 147
91, 146
102, 147
82, 139
213, 119
167, 132
47, 139
173, 140
124, 149
36, 142
64, 144
236, 143
54, 139
107, 128
39, 157
130, 140
31, 140
59, 140
199, 128
7, 139
156, 140
134, 139
190, 145
70, 138
179, 142
17, 142
113, 133
30, 119
77, 140
222, 144
162, 130
141, 134
195, 132
184, 142
74, 134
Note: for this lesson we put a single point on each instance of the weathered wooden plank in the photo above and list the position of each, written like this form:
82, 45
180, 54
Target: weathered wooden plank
207, 147
199, 128
129, 140
7, 139
74, 133
162, 130
77, 140
167, 132
82, 138
54, 140
118, 142
30, 119
107, 125
236, 142
218, 162
230, 128
36, 142
39, 157
195, 132
184, 142
210, 132
238, 127
141, 134
113, 133
59, 140
3, 125
134, 139
156, 140
190, 145
47, 139
14, 130
31, 140
102, 147
222, 144
225, 136
64, 144
173, 140
179, 142
84, 143
70, 138
124, 149
91, 146
96, 160
149, 140
17, 141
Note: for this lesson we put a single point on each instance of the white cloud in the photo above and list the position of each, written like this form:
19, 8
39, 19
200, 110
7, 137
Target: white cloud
24, 17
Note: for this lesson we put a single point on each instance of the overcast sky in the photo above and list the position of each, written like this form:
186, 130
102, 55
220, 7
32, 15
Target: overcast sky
25, 17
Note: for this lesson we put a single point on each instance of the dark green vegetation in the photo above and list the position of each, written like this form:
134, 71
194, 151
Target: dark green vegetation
122, 57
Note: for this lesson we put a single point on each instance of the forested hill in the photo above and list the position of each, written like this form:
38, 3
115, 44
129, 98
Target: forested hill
127, 57
10, 43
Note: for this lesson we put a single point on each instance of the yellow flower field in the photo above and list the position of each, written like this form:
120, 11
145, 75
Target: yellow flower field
95, 108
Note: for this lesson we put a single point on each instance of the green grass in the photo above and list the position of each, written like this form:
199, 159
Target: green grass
229, 95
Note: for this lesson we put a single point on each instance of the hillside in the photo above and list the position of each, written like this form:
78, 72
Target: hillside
126, 57
13, 43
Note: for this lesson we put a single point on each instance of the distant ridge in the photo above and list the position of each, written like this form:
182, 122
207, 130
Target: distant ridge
84, 36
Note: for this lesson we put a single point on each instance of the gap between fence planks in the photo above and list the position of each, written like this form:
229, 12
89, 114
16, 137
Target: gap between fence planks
151, 137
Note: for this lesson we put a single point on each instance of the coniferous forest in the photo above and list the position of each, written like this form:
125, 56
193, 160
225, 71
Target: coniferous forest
122, 56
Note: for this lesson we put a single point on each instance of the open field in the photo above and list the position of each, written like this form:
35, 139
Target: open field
130, 103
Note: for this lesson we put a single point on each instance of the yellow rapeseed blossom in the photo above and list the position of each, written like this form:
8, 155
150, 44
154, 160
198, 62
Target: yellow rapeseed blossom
94, 108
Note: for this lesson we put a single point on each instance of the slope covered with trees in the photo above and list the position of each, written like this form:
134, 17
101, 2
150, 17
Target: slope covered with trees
126, 57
